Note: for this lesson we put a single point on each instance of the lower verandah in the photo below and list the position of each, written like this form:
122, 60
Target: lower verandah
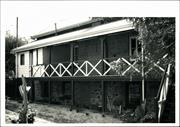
98, 95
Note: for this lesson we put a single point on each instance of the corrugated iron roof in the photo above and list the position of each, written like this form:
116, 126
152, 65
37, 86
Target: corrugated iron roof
104, 29
66, 28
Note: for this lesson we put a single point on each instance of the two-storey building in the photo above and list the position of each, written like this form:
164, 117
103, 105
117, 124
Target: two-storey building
75, 64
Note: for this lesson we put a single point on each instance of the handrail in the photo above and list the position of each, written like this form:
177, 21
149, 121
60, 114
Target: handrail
161, 84
162, 93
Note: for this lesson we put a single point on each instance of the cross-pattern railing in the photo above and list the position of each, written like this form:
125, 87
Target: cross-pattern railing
112, 66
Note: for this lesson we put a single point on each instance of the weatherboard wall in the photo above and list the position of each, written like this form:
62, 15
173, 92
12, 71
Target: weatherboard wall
25, 68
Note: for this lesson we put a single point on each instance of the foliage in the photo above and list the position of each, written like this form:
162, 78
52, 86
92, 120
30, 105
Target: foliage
118, 66
157, 36
10, 42
26, 115
30, 116
107, 19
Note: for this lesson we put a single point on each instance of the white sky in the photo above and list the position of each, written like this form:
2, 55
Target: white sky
36, 17
39, 16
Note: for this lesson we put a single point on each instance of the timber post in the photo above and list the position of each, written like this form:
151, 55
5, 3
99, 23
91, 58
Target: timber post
49, 79
103, 52
49, 86
72, 81
72, 87
142, 71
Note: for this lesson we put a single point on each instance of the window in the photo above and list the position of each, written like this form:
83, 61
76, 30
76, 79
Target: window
76, 52
135, 47
22, 59
31, 57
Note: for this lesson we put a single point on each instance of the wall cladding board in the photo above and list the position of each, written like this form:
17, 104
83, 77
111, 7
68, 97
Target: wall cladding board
134, 93
60, 53
23, 69
40, 56
152, 89
89, 49
116, 91
46, 53
118, 45
56, 91
88, 94
37, 87
34, 57
60, 91
41, 90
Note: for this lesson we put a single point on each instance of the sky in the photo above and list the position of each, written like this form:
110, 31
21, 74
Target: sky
39, 16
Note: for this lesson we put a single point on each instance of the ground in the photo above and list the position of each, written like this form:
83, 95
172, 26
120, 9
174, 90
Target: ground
10, 115
50, 113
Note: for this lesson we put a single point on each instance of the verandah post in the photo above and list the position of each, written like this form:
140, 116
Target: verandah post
49, 80
72, 87
49, 86
143, 79
103, 96
72, 82
102, 82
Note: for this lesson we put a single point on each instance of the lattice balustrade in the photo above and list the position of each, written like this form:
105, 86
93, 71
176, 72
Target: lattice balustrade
37, 71
119, 66
123, 66
156, 66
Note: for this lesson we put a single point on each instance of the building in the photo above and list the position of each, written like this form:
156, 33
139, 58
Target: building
75, 65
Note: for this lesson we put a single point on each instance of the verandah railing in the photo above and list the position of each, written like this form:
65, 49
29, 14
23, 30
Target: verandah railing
161, 97
122, 66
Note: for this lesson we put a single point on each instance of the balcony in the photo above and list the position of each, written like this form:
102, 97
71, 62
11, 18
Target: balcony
107, 67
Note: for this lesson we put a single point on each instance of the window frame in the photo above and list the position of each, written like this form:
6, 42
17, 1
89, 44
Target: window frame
130, 47
31, 57
22, 59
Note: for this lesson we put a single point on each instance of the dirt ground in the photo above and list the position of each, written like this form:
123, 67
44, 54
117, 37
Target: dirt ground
10, 115
51, 113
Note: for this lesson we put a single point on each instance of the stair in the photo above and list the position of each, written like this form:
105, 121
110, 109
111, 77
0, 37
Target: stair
168, 115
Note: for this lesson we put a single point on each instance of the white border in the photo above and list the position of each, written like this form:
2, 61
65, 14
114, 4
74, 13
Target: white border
107, 8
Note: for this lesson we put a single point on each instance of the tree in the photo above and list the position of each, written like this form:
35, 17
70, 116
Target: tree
158, 37
10, 43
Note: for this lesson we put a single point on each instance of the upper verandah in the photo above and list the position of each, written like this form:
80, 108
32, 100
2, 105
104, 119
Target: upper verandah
93, 31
